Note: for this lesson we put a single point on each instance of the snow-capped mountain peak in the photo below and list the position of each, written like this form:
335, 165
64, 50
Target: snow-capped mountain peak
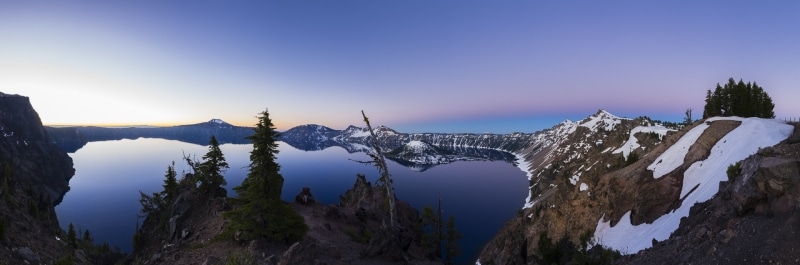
218, 121
602, 119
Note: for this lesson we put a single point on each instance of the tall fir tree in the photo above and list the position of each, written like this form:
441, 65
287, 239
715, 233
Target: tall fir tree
260, 212
71, 236
213, 165
170, 184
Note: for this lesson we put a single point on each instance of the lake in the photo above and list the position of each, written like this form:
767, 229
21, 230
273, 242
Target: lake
104, 195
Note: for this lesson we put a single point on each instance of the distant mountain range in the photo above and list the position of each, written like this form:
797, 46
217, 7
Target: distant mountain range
416, 151
73, 138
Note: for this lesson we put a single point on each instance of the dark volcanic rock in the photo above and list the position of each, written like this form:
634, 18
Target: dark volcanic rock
25, 144
305, 197
34, 175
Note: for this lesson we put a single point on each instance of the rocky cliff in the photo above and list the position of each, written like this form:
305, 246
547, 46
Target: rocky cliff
624, 186
754, 219
35, 176
25, 144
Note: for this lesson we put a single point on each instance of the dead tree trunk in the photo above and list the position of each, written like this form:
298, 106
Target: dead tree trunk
380, 162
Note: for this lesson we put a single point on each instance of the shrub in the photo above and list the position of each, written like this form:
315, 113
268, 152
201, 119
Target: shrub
766, 151
734, 170
632, 158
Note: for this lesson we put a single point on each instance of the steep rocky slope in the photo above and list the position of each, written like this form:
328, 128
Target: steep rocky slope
754, 219
583, 191
34, 178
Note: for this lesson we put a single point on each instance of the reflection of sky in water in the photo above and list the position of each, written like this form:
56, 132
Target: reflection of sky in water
104, 197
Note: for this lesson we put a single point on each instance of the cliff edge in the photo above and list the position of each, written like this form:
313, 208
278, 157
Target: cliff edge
34, 177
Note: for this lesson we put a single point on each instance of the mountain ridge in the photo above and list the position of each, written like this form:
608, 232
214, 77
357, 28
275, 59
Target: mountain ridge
73, 138
581, 179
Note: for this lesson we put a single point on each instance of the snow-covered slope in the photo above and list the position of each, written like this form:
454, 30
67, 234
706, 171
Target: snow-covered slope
701, 179
633, 143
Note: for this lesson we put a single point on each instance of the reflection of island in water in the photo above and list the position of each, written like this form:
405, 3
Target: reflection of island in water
416, 155
416, 151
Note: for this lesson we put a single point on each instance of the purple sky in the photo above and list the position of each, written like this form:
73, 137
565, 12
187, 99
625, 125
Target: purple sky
443, 66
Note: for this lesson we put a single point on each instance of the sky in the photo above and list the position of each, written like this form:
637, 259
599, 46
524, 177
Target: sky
415, 66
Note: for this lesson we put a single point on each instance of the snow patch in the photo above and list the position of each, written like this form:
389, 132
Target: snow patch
633, 143
752, 134
673, 157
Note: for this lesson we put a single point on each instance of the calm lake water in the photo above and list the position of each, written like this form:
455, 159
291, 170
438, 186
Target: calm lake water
104, 195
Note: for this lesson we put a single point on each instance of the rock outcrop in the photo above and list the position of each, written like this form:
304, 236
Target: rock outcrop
754, 219
305, 197
34, 176
352, 232
562, 209
25, 145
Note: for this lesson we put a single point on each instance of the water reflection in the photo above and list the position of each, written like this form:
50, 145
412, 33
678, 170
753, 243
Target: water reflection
482, 195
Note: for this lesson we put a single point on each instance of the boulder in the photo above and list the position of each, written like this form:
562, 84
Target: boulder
27, 254
305, 197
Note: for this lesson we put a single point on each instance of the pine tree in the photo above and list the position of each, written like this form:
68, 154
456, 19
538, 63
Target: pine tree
260, 212
212, 167
71, 236
452, 248
431, 240
86, 236
151, 204
435, 234
738, 99
170, 184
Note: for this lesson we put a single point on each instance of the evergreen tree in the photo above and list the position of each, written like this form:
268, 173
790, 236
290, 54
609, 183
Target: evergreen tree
170, 184
212, 167
738, 99
431, 242
71, 236
86, 236
151, 203
452, 248
439, 241
260, 212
